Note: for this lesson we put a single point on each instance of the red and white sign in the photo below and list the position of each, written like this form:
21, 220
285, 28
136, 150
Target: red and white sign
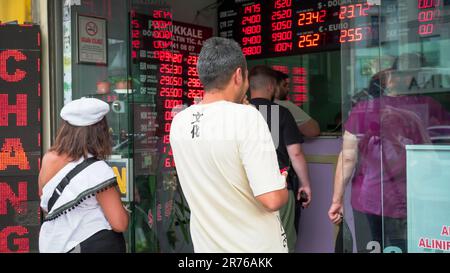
20, 139
92, 40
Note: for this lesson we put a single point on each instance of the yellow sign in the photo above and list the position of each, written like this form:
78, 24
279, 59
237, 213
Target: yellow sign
121, 170
121, 178
12, 10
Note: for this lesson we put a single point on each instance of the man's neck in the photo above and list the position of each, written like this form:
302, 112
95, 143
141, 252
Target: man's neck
260, 95
216, 95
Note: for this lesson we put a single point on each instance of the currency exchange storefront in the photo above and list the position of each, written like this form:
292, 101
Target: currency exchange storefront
374, 74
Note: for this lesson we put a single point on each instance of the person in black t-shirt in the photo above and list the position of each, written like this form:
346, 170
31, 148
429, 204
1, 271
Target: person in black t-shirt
287, 140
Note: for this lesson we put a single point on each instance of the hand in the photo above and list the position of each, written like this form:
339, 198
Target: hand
245, 100
336, 213
307, 190
285, 174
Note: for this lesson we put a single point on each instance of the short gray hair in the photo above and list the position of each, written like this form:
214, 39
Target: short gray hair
218, 60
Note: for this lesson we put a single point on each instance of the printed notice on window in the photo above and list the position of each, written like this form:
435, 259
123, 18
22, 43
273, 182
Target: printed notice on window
92, 40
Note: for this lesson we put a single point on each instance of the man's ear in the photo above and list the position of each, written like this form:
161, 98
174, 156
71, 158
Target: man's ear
272, 88
238, 76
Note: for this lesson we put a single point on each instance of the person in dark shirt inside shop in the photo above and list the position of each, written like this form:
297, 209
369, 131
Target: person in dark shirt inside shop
287, 140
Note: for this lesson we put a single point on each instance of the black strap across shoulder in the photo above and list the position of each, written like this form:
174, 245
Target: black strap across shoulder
66, 180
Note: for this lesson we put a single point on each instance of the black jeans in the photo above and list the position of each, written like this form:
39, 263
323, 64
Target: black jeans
104, 241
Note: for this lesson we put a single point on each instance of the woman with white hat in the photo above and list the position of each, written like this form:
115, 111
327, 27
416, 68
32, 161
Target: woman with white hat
83, 210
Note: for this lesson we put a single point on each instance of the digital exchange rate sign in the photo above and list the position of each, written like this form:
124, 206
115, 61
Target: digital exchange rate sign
20, 139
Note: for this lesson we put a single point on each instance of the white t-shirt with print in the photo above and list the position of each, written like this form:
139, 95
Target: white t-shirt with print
225, 156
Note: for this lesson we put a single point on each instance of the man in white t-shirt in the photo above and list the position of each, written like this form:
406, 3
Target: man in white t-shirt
226, 160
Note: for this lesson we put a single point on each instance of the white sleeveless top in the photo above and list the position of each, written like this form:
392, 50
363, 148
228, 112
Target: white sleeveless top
76, 215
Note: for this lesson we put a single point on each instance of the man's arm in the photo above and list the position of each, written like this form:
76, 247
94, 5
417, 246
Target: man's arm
309, 128
274, 200
344, 170
301, 169
259, 160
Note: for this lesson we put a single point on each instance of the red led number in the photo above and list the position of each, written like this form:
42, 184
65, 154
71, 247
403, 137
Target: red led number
162, 34
311, 17
167, 127
192, 71
167, 56
281, 25
171, 92
282, 14
162, 14
192, 60
194, 93
135, 34
282, 47
351, 35
160, 24
252, 40
171, 69
282, 36
135, 24
426, 4
309, 40
169, 162
194, 82
255, 8
252, 50
250, 30
425, 16
250, 20
281, 4
426, 29
352, 11
168, 115
166, 139
172, 103
169, 80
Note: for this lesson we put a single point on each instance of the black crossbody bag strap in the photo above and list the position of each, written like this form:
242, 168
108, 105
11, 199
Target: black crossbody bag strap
66, 180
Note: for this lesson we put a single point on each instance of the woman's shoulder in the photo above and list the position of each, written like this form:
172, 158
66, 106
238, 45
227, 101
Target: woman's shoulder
51, 157
52, 160
51, 164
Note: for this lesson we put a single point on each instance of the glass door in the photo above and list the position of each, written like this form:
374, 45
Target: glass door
396, 102
95, 64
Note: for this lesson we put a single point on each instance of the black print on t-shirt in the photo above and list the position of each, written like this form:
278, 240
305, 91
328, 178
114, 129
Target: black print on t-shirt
195, 125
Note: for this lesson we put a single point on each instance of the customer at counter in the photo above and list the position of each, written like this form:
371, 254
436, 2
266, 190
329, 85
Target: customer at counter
307, 125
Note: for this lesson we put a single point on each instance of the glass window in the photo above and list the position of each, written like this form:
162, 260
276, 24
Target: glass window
95, 64
315, 84
397, 127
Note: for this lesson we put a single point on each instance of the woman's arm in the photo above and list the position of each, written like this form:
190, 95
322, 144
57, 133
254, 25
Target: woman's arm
113, 209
